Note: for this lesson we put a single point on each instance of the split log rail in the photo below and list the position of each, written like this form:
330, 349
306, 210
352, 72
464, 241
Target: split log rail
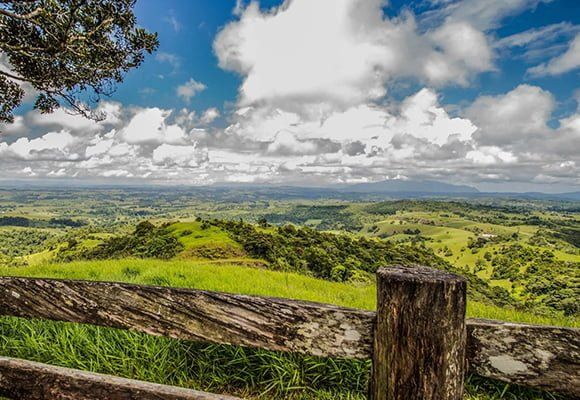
419, 341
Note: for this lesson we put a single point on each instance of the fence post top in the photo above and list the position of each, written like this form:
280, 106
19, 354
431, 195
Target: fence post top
418, 274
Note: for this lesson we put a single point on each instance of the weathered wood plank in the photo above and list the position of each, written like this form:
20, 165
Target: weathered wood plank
551, 354
419, 344
543, 357
268, 323
20, 379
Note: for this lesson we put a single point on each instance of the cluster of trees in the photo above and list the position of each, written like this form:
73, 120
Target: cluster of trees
40, 223
326, 255
67, 49
546, 282
328, 217
20, 242
146, 241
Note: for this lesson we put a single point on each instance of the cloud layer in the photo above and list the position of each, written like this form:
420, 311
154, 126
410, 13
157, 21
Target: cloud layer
314, 106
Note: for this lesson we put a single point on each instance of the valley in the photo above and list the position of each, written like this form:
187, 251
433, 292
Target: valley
520, 257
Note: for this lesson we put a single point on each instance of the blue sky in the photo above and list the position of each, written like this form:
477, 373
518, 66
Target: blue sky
331, 91
187, 29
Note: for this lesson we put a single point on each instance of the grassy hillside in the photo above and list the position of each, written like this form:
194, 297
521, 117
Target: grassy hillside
249, 373
339, 257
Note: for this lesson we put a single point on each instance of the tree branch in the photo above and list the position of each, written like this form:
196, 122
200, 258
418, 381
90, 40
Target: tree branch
26, 17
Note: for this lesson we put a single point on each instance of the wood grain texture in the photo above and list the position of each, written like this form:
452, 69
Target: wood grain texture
268, 323
419, 343
543, 357
27, 380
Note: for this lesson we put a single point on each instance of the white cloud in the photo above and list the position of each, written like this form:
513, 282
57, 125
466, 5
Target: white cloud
419, 115
490, 155
100, 147
189, 89
566, 62
482, 14
169, 58
514, 117
209, 115
286, 143
239, 8
536, 37
173, 22
52, 146
64, 119
16, 128
28, 171
117, 173
422, 117
347, 63
149, 126
58, 173
185, 156
312, 106
465, 51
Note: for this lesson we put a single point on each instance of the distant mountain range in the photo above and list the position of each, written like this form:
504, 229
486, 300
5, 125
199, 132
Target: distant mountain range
373, 191
398, 186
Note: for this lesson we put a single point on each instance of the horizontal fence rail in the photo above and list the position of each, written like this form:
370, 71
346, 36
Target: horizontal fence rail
537, 356
543, 357
267, 323
49, 382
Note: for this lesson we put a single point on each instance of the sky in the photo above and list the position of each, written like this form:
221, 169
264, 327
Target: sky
322, 92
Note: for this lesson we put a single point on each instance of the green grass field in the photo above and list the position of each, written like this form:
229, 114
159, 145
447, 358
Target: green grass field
244, 372
449, 235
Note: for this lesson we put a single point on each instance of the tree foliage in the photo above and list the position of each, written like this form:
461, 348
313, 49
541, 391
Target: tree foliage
147, 241
68, 51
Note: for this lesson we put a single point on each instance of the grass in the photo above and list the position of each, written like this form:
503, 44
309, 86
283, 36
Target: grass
252, 374
191, 235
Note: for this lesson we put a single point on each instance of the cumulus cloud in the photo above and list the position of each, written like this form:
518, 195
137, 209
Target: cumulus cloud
285, 143
209, 115
189, 89
514, 126
185, 156
566, 62
150, 126
490, 155
314, 107
51, 146
514, 117
350, 61
135, 143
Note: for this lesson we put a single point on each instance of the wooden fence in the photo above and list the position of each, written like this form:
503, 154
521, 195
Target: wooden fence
419, 340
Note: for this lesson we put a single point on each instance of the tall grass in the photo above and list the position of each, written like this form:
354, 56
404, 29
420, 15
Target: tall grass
248, 373
251, 281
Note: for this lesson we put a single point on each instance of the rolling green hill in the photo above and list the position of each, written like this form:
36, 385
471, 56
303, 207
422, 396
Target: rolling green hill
521, 259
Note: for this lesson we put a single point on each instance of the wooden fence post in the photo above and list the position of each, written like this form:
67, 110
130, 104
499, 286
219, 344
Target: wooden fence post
420, 335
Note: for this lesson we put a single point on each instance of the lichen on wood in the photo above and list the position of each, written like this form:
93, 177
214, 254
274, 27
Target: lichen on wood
544, 357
